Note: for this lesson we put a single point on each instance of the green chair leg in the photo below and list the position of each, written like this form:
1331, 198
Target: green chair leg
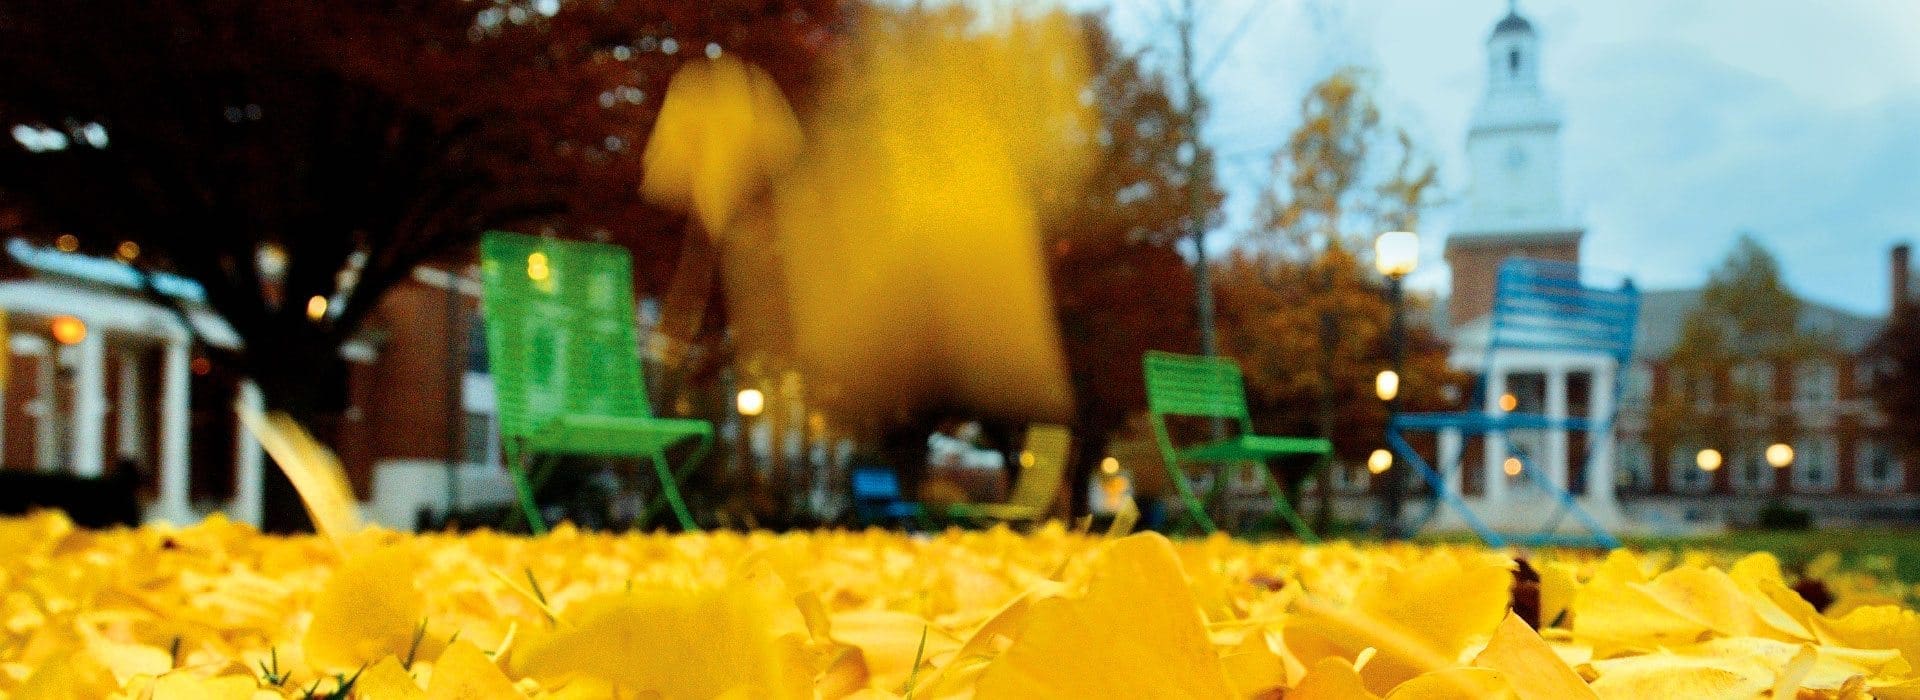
1285, 508
529, 508
669, 486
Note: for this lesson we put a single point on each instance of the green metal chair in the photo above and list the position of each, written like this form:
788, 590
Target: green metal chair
564, 354
1210, 387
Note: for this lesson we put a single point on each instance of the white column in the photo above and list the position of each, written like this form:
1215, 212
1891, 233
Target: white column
1495, 487
1450, 458
175, 425
1600, 469
249, 500
46, 423
130, 439
90, 407
1556, 461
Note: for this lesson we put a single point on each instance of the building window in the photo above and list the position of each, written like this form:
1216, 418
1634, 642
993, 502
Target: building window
1814, 461
1349, 478
482, 444
1639, 386
1683, 475
1753, 381
1513, 61
1866, 374
1875, 468
1751, 473
1635, 467
1814, 384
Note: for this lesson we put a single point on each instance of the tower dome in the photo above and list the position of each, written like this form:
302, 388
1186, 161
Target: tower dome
1513, 22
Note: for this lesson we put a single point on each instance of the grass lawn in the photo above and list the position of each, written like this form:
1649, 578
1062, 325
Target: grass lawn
1858, 548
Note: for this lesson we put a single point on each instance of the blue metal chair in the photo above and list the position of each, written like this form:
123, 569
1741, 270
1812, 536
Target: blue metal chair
1538, 305
877, 501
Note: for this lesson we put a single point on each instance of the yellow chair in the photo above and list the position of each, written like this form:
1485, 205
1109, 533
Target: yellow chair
1039, 482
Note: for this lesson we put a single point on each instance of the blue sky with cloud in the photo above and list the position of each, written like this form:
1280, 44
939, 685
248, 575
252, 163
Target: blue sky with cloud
1687, 122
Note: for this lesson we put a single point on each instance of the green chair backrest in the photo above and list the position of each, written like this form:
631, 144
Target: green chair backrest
560, 331
1189, 385
1040, 480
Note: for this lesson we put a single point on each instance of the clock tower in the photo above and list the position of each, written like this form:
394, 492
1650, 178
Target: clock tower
1513, 205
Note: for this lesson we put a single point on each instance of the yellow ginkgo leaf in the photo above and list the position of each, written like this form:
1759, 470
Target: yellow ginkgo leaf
695, 643
1876, 627
1663, 675
387, 680
723, 129
182, 685
1420, 619
1331, 678
1253, 668
368, 609
1531, 666
1557, 586
1613, 613
463, 672
1463, 683
1137, 628
890, 642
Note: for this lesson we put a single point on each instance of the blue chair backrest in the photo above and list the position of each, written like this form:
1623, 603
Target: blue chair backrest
875, 485
1543, 305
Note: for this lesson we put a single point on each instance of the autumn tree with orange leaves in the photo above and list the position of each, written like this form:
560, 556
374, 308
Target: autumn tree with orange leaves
1302, 310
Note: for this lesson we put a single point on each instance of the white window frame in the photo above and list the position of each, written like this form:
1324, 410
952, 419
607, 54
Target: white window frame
1754, 377
1863, 456
1634, 467
1748, 461
1639, 388
1681, 472
1815, 383
1813, 450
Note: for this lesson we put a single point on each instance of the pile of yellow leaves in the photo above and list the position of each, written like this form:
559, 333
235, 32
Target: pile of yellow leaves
220, 611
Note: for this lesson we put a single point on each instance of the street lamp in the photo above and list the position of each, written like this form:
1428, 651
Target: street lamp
1387, 385
1395, 255
1379, 462
1708, 460
750, 402
1779, 455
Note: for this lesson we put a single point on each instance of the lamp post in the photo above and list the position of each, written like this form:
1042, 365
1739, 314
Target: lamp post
1395, 254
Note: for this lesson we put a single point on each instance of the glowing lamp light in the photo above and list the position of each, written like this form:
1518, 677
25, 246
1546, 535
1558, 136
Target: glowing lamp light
1396, 253
201, 366
1508, 402
1386, 385
67, 243
750, 402
316, 308
1779, 455
1512, 466
538, 268
69, 330
127, 251
1026, 459
1109, 466
1379, 462
1708, 459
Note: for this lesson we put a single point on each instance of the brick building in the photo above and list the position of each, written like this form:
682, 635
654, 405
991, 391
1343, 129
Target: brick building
97, 375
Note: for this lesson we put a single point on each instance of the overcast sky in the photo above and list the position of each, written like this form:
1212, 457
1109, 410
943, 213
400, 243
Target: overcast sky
1686, 122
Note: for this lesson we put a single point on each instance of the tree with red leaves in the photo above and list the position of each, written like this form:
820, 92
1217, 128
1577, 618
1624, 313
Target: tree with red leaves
1120, 286
358, 137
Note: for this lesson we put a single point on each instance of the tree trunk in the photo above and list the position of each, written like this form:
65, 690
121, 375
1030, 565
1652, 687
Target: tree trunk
308, 383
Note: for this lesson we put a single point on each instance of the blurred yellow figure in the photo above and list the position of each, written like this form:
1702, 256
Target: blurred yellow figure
723, 131
909, 233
